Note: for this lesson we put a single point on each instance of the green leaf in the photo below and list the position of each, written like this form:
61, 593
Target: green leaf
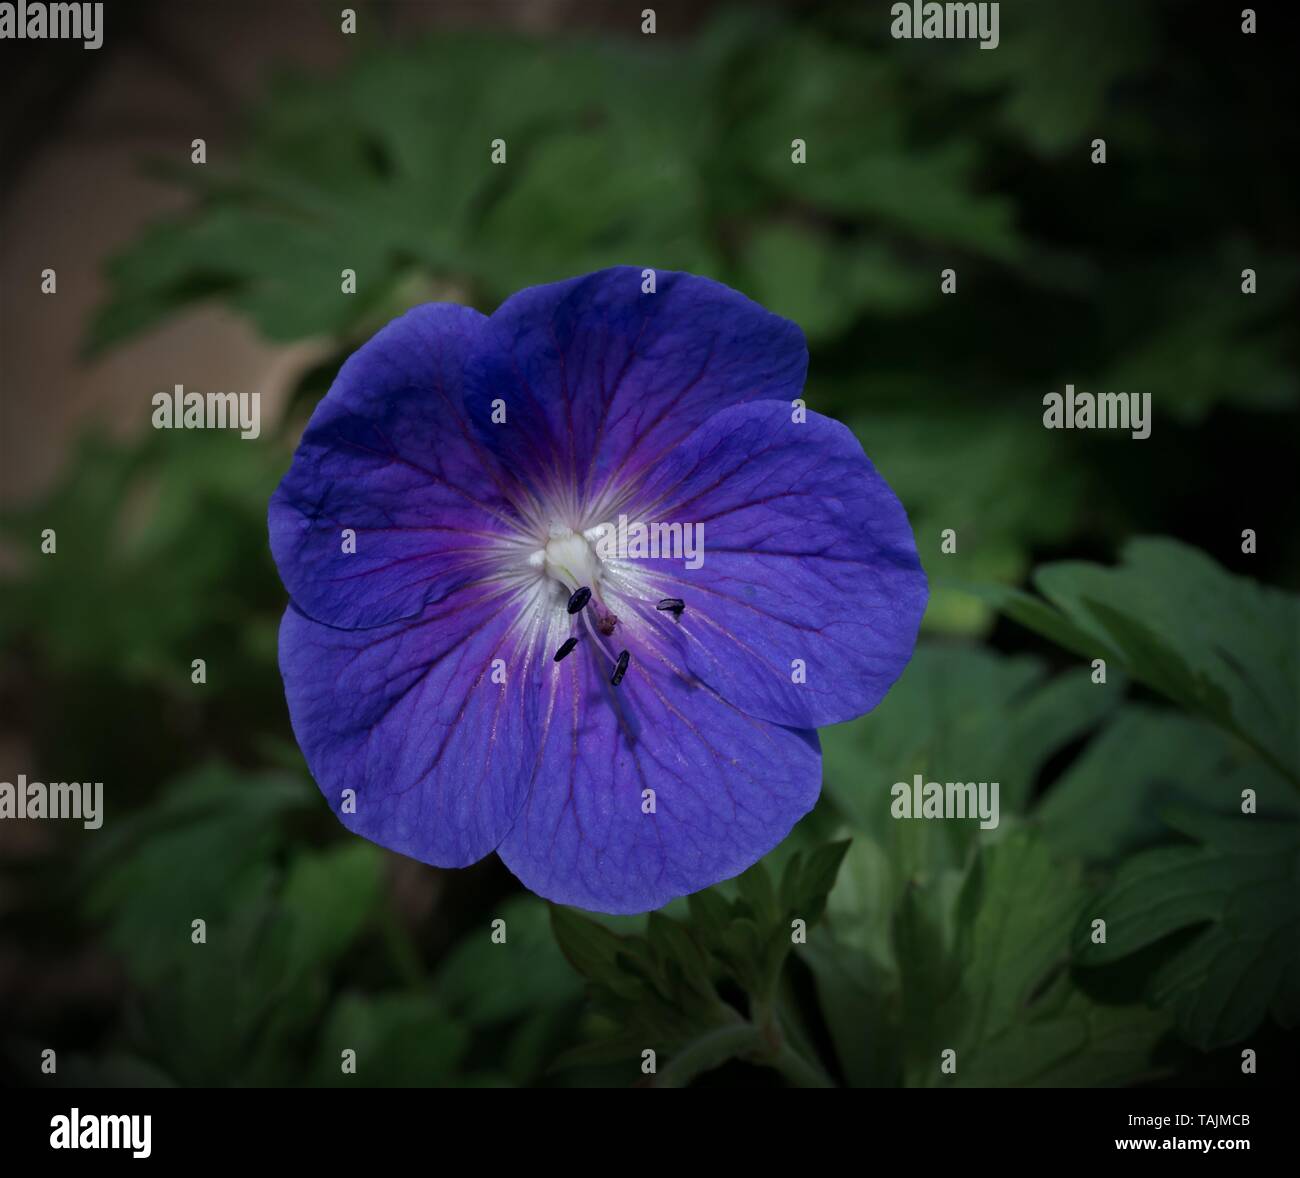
1238, 888
864, 159
756, 889
710, 913
329, 896
201, 852
366, 171
652, 998
659, 990
956, 714
590, 947
400, 1041
980, 473
1069, 1042
1108, 802
125, 519
239, 970
809, 878
210, 849
993, 987
824, 284
472, 984
1055, 101
1202, 349
1216, 643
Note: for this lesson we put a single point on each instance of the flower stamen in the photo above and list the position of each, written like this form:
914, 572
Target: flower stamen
620, 668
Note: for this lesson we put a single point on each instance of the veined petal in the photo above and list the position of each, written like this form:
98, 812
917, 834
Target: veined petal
437, 749
807, 601
389, 454
727, 787
599, 381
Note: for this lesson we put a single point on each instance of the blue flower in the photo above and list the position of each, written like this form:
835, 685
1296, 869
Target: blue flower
473, 663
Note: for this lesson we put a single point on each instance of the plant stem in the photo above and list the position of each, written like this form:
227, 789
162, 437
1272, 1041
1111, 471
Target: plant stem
709, 1051
800, 1073
742, 1040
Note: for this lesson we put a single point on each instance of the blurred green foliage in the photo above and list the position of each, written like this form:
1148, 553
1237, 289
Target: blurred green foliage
1120, 801
678, 156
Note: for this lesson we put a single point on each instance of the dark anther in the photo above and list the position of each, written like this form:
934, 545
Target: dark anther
579, 599
673, 605
566, 648
620, 668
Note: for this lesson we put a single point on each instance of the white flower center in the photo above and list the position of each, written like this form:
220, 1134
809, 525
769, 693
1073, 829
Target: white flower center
570, 559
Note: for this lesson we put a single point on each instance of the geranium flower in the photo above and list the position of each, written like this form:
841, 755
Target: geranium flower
469, 668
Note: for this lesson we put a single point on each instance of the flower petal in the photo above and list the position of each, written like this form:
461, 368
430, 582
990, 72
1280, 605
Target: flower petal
600, 381
410, 718
389, 453
807, 558
727, 788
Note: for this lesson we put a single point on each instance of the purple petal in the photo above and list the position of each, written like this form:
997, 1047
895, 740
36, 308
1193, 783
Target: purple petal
808, 559
409, 717
727, 788
389, 454
600, 381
